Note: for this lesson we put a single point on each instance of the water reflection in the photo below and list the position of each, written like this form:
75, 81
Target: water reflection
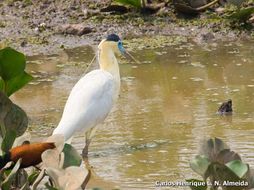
172, 97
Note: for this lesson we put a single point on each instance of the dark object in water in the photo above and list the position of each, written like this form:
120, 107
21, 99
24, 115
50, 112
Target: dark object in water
226, 107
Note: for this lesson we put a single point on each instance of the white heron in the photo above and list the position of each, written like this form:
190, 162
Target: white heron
94, 95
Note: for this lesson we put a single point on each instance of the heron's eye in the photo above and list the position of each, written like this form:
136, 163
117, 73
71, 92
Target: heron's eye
120, 43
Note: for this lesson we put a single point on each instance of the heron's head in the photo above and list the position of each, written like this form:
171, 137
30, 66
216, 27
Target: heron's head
114, 43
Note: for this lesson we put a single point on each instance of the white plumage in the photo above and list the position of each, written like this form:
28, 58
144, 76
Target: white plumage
89, 103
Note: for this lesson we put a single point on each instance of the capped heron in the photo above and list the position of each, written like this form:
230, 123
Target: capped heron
94, 95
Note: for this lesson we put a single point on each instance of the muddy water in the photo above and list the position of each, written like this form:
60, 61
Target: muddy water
167, 106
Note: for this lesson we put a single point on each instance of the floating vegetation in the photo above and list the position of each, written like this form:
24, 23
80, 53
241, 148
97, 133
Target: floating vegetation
217, 164
154, 42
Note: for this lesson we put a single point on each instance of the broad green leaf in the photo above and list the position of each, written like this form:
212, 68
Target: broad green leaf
238, 167
8, 181
220, 172
226, 156
71, 156
212, 148
16, 119
8, 140
134, 3
200, 164
12, 63
201, 185
17, 83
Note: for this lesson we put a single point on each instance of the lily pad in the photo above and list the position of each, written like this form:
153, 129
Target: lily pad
12, 63
71, 156
200, 164
212, 148
238, 167
17, 83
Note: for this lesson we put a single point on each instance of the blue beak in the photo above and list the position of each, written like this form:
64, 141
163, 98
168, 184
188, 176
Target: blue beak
124, 52
121, 48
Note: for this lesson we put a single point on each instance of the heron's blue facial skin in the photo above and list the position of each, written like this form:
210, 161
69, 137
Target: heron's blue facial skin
121, 48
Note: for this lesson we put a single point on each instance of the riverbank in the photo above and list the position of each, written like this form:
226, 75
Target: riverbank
47, 27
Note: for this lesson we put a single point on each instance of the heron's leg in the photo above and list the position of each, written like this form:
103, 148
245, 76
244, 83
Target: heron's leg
89, 134
85, 149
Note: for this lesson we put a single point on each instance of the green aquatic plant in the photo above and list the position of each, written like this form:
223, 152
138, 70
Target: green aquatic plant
61, 165
12, 71
220, 167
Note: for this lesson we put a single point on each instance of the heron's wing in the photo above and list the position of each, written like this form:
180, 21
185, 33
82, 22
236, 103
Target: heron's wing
90, 101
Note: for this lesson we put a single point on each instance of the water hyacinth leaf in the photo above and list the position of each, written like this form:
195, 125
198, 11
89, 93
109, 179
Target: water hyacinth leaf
8, 181
238, 167
71, 156
54, 174
72, 178
58, 140
16, 119
201, 185
51, 158
226, 156
212, 147
200, 165
12, 63
8, 140
221, 173
17, 83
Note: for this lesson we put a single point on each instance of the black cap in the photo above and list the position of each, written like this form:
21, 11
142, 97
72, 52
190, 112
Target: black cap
113, 37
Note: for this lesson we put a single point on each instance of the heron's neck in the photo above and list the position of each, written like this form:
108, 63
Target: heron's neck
108, 62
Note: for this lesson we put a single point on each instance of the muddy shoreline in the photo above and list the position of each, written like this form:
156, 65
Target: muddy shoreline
47, 28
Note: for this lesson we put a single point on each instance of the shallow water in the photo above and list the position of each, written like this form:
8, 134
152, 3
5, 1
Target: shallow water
167, 105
